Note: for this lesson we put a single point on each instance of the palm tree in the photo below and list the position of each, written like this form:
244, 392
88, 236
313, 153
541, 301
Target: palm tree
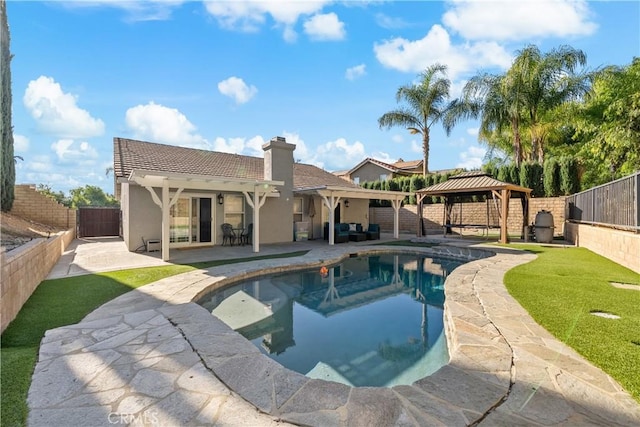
549, 80
426, 104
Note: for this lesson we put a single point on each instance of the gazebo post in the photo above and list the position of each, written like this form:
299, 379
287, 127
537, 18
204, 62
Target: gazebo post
505, 195
419, 206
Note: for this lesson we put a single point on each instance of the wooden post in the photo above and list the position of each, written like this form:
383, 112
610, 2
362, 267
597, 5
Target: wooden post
504, 232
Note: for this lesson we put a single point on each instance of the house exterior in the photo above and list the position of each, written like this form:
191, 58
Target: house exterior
181, 196
375, 170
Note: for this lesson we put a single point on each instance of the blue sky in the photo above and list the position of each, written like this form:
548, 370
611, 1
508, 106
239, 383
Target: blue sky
229, 75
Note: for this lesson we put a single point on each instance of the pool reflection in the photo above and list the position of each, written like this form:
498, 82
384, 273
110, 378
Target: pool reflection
368, 321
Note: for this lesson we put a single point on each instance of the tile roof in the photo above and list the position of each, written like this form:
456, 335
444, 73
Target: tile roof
409, 164
129, 154
470, 182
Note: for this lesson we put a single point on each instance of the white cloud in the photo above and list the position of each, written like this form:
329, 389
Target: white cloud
251, 15
356, 72
39, 163
390, 22
519, 20
20, 143
237, 89
473, 131
56, 113
416, 146
339, 154
250, 147
414, 56
472, 158
148, 10
383, 157
324, 27
69, 151
158, 123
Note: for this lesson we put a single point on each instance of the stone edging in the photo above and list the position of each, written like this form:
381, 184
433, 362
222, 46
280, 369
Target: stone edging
296, 398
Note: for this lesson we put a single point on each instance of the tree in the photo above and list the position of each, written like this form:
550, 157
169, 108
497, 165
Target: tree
58, 196
7, 164
515, 104
547, 80
608, 124
90, 195
426, 104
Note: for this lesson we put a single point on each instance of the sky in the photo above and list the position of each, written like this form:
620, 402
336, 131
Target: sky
230, 75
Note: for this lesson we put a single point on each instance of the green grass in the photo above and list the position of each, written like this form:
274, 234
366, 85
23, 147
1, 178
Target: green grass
563, 286
66, 301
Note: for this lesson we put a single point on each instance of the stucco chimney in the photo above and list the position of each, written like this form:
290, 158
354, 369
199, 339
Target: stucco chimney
278, 160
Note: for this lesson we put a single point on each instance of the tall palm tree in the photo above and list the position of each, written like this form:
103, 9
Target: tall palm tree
497, 101
519, 102
549, 80
426, 103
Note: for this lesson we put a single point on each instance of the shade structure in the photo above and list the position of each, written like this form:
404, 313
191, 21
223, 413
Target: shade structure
478, 183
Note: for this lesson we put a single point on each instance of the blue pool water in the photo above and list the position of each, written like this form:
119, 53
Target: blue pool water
368, 321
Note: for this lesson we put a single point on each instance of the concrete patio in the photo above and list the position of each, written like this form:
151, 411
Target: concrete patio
153, 357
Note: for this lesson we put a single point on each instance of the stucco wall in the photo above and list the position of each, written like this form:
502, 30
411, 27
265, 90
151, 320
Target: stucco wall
31, 204
370, 172
24, 268
622, 247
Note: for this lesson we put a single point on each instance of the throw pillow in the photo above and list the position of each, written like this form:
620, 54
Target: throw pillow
352, 227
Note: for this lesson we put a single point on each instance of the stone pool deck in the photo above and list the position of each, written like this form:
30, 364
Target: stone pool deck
153, 357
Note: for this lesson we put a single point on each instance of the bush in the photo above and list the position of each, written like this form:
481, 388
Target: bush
531, 177
551, 177
569, 182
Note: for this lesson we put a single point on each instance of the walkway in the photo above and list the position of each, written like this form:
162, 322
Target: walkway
152, 357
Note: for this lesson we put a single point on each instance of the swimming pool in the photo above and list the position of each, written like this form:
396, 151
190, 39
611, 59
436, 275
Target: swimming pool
374, 320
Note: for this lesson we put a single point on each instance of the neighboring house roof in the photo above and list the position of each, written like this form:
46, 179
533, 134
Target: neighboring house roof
411, 164
132, 155
469, 183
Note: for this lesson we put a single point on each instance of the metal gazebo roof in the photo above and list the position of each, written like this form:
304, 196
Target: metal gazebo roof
479, 183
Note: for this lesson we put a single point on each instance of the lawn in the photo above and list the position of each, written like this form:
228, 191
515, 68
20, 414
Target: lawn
62, 302
560, 290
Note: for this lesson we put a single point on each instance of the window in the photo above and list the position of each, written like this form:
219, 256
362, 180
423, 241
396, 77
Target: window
234, 210
356, 180
179, 221
383, 177
297, 209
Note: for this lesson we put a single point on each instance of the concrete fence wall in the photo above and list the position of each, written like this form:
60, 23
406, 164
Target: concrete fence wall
622, 247
24, 268
31, 204
469, 213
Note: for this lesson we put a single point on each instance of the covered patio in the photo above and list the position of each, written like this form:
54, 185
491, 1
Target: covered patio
332, 195
172, 184
463, 187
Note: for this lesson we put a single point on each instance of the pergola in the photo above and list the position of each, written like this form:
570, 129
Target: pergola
331, 196
476, 183
255, 192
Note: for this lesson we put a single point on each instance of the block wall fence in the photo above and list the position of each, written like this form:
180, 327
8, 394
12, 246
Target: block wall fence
622, 247
30, 204
469, 213
23, 268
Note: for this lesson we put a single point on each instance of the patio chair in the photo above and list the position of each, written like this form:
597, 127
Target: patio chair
247, 236
228, 235
373, 232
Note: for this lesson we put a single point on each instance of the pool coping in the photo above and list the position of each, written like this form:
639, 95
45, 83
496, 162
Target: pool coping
485, 380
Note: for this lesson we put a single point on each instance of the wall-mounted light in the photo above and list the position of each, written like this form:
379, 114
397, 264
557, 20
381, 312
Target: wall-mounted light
346, 203
220, 199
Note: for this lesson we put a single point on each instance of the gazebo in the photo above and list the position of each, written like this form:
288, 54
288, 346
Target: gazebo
464, 186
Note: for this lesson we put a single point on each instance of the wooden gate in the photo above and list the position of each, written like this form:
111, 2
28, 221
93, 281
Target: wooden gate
98, 221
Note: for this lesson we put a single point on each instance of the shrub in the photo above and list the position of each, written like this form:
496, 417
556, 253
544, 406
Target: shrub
569, 181
551, 177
